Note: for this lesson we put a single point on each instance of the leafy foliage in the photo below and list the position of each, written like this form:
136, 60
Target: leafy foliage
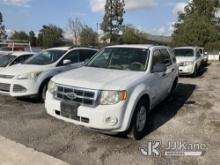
198, 25
131, 35
50, 36
20, 35
2, 28
32, 38
113, 18
88, 37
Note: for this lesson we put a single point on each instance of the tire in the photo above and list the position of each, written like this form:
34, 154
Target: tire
195, 73
139, 120
42, 93
173, 88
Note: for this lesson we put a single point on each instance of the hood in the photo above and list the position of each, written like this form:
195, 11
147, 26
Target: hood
185, 59
98, 78
22, 69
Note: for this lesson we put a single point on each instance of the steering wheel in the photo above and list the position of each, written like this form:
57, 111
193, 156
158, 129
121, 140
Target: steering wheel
137, 65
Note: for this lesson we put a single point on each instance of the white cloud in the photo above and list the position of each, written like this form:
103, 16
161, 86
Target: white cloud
98, 5
179, 8
18, 3
166, 30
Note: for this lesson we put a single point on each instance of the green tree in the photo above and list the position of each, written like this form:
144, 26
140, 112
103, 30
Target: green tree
131, 35
20, 35
88, 37
198, 25
32, 38
113, 18
2, 28
50, 36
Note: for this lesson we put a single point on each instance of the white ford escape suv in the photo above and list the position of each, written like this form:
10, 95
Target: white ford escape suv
31, 77
115, 91
189, 60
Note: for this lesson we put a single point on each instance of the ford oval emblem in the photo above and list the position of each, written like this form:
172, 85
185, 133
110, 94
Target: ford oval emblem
71, 95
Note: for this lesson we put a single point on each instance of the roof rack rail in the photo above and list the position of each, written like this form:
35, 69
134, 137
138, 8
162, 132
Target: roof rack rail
14, 43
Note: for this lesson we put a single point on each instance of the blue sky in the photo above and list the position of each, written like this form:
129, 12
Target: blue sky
153, 16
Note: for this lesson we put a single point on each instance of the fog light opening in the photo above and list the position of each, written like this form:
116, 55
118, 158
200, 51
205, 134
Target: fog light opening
111, 120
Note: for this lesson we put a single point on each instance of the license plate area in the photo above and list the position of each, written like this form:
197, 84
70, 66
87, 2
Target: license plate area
69, 110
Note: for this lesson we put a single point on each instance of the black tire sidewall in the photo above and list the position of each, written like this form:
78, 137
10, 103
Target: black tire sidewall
134, 131
195, 72
43, 91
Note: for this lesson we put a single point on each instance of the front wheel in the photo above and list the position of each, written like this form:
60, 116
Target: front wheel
43, 91
139, 120
195, 73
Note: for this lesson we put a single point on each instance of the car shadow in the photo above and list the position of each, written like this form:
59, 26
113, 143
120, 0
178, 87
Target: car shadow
170, 107
29, 100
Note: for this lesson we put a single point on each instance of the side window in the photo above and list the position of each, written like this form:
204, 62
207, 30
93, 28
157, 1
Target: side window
156, 59
198, 54
25, 57
86, 54
171, 51
20, 59
73, 56
166, 57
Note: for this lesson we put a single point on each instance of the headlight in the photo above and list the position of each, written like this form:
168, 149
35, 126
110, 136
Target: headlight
112, 97
31, 75
188, 63
51, 87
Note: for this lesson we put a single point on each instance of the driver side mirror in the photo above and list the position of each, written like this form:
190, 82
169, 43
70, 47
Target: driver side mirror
159, 67
67, 62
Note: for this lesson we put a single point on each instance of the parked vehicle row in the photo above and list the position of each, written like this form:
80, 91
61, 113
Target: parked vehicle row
190, 60
111, 90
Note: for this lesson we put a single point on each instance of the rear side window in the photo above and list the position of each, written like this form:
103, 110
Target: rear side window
173, 57
86, 54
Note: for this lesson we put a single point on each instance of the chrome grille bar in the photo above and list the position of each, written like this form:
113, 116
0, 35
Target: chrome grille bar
82, 96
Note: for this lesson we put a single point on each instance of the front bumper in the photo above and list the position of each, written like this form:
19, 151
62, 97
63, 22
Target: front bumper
91, 117
18, 88
186, 70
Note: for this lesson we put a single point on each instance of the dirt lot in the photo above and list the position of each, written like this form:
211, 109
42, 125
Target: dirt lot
192, 116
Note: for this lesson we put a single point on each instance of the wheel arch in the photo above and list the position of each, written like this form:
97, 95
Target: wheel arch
46, 80
145, 95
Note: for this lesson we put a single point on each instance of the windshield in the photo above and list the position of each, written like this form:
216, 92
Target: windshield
5, 60
184, 52
135, 59
45, 57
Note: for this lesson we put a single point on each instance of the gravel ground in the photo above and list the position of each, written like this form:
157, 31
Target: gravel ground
192, 116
